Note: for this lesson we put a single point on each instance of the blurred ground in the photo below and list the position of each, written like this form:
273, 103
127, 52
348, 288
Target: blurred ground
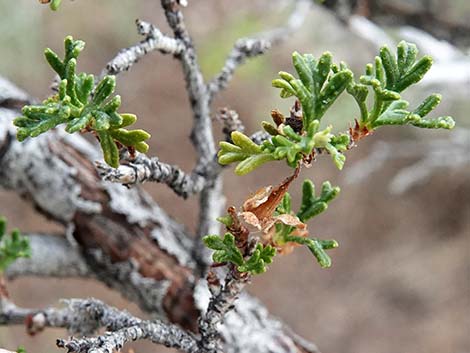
400, 280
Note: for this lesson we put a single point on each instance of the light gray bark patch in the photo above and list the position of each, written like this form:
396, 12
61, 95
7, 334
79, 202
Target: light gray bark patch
250, 328
32, 169
9, 91
125, 277
140, 209
52, 256
135, 205
169, 242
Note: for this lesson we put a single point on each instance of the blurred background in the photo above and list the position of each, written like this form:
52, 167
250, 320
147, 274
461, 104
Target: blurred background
400, 281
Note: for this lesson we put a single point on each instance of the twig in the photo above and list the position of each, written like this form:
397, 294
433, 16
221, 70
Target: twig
157, 332
222, 301
85, 317
259, 44
143, 168
154, 40
231, 122
211, 199
79, 316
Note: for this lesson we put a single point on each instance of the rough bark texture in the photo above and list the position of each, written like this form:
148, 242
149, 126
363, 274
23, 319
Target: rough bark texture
127, 240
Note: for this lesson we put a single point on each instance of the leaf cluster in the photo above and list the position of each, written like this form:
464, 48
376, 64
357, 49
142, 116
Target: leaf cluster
311, 206
82, 106
12, 247
387, 78
227, 251
320, 82
285, 144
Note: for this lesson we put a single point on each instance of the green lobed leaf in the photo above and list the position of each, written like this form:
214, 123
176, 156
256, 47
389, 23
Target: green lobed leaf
269, 128
112, 106
428, 105
317, 247
245, 143
406, 56
128, 119
332, 90
72, 48
110, 150
225, 249
130, 137
286, 88
337, 157
78, 124
322, 70
55, 62
37, 119
442, 122
70, 76
258, 261
104, 89
84, 86
285, 207
303, 70
397, 114
251, 163
414, 74
12, 247
243, 150
390, 67
313, 205
101, 121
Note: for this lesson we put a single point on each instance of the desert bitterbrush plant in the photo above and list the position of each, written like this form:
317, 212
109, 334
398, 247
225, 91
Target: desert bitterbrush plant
298, 139
266, 223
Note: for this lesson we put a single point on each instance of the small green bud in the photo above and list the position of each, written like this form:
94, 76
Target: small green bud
322, 138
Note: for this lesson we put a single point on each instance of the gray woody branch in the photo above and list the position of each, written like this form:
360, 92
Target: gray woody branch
211, 200
222, 301
85, 317
259, 44
143, 168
